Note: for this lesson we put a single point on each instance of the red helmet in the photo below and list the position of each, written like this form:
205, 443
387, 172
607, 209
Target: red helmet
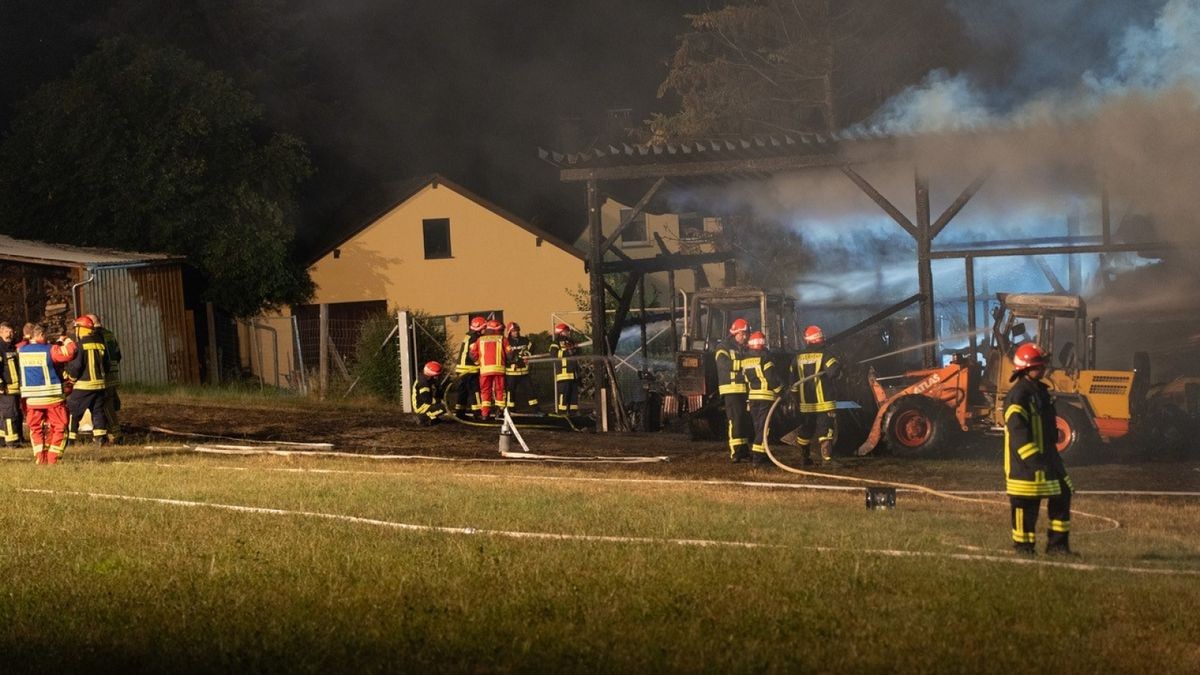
85, 322
1029, 355
757, 340
562, 329
813, 335
433, 369
494, 325
512, 326
477, 323
738, 326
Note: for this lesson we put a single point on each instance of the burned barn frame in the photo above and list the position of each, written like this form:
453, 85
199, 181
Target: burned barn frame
762, 157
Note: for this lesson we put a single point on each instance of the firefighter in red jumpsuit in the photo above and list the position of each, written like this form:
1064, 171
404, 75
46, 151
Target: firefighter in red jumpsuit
489, 352
42, 390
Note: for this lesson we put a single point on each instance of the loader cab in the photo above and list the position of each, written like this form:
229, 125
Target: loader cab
1056, 323
707, 315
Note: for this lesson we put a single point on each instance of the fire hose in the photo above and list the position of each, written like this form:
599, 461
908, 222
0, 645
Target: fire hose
1113, 524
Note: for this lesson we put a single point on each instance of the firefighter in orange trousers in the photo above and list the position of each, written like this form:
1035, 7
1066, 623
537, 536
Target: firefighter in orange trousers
517, 385
731, 385
468, 371
1033, 469
42, 390
429, 393
814, 370
10, 388
763, 386
489, 352
86, 371
566, 371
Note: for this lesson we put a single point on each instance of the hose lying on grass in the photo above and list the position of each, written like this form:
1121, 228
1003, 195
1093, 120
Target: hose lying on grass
1113, 523
190, 434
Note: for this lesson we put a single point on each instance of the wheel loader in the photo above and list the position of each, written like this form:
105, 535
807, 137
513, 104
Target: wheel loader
929, 407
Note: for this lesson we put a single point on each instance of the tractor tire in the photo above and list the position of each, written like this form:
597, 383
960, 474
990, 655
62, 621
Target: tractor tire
1076, 437
918, 425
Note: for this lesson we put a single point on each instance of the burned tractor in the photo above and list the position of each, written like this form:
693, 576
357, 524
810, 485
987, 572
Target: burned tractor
707, 315
1092, 406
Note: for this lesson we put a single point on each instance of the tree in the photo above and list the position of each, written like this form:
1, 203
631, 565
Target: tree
766, 66
146, 149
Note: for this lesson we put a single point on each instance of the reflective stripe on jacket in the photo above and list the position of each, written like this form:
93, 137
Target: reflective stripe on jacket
729, 369
564, 368
517, 362
488, 351
813, 372
1032, 466
762, 382
41, 383
87, 367
465, 365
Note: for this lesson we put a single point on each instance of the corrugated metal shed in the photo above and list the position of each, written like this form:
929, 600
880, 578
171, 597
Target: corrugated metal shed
140, 298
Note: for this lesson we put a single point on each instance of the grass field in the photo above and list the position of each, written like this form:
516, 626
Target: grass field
789, 580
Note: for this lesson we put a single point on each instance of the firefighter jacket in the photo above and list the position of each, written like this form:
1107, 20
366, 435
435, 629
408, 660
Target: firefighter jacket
489, 351
428, 392
88, 364
1032, 465
41, 382
112, 352
10, 374
762, 381
465, 365
517, 362
729, 368
565, 368
814, 372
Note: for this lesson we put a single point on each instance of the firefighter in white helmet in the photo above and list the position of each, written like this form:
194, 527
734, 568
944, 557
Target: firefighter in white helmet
763, 386
813, 371
1033, 469
731, 385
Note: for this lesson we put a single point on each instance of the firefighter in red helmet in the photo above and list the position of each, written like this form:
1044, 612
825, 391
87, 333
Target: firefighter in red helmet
731, 385
566, 371
86, 370
489, 352
1033, 469
813, 371
467, 370
517, 385
763, 385
429, 393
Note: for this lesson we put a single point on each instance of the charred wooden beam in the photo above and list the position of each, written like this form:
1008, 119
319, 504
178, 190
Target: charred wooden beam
875, 318
1139, 247
901, 219
633, 214
958, 204
663, 263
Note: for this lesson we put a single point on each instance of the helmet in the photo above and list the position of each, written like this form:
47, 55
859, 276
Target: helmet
562, 329
95, 320
432, 369
512, 326
1029, 355
757, 340
477, 323
85, 322
813, 335
738, 326
494, 325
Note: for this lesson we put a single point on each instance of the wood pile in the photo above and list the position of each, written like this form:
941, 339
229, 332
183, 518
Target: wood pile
37, 294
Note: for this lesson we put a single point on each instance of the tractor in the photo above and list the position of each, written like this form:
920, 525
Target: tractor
1093, 406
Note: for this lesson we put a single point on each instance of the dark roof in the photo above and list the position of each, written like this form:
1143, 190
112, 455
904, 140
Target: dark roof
401, 192
65, 255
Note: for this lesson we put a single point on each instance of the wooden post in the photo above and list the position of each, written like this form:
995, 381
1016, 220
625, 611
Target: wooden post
323, 350
599, 329
925, 273
214, 361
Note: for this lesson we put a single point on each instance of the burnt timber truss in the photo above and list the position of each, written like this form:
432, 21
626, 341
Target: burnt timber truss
761, 157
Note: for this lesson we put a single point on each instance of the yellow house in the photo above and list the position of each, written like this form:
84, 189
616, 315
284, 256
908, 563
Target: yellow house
440, 249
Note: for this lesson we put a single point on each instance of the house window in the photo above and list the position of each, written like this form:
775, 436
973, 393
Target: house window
636, 232
691, 228
437, 238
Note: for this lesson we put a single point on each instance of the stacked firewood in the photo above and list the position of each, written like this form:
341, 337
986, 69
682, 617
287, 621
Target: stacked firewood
37, 293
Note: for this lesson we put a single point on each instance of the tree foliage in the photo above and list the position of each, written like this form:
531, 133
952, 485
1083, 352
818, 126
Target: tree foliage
762, 66
146, 149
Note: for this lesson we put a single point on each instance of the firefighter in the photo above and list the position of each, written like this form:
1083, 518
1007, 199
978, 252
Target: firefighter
112, 377
732, 388
42, 392
489, 351
763, 386
518, 385
1033, 468
813, 371
10, 388
85, 371
566, 371
468, 370
429, 393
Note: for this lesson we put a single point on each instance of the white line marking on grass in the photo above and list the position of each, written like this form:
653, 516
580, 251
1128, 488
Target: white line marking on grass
507, 457
409, 526
551, 536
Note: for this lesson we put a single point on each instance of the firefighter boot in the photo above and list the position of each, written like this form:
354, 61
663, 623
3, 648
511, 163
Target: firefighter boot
761, 461
1024, 550
1060, 545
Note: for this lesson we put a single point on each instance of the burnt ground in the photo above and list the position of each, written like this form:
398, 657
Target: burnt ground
972, 463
